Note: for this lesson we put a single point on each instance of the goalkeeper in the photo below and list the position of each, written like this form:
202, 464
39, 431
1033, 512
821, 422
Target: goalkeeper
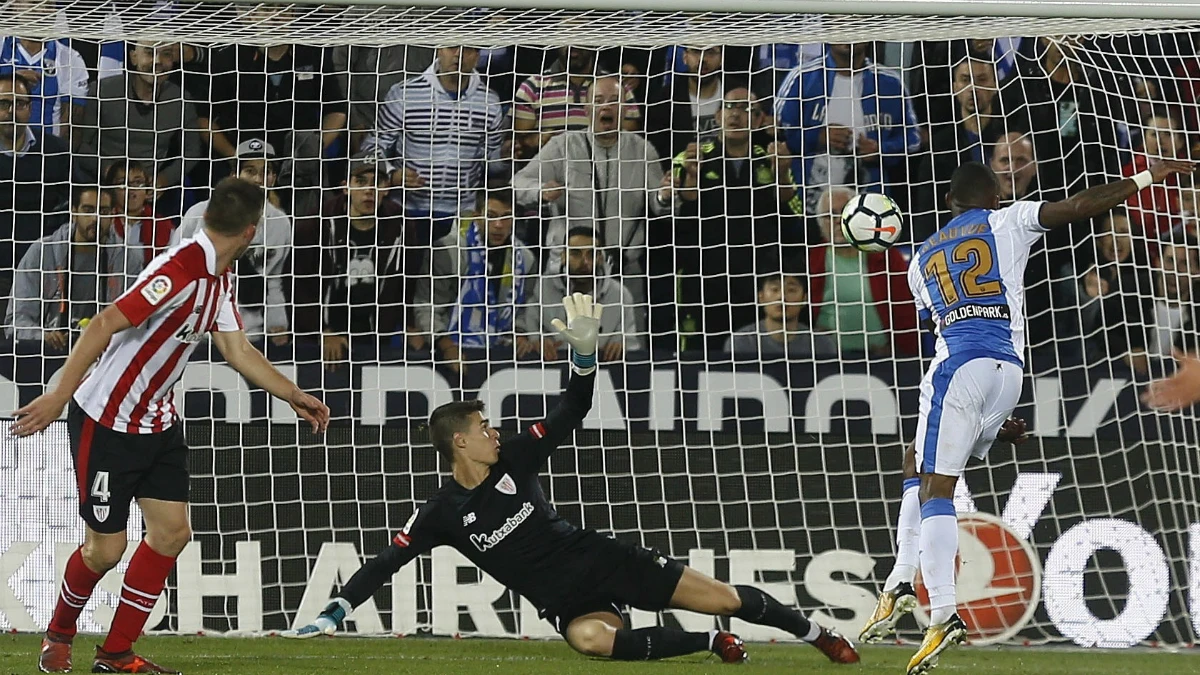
493, 511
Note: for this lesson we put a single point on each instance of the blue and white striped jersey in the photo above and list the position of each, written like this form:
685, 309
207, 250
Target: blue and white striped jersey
62, 79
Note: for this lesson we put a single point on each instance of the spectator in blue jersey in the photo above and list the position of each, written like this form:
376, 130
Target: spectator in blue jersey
58, 74
847, 121
35, 174
478, 285
440, 128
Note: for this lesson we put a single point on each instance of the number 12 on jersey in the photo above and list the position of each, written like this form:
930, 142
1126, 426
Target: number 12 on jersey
966, 270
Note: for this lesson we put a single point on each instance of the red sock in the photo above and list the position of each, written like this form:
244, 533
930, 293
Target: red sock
144, 581
78, 583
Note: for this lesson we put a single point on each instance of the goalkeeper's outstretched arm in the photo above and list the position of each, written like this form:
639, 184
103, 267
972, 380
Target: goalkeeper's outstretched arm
416, 538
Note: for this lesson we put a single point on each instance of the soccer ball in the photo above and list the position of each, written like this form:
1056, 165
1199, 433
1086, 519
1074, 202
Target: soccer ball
871, 222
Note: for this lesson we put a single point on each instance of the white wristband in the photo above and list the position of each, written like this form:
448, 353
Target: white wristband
1143, 180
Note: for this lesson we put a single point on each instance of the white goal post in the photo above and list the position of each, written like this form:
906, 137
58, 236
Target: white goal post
778, 466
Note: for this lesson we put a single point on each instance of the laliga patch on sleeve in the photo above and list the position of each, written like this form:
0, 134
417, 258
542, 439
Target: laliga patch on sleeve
157, 289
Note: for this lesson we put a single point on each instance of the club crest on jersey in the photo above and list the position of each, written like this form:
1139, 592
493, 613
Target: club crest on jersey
157, 289
101, 512
507, 485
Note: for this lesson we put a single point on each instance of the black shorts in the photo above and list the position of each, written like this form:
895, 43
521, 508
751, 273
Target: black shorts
643, 579
113, 469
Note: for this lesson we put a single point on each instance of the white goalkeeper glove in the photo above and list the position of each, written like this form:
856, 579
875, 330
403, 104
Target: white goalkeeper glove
582, 330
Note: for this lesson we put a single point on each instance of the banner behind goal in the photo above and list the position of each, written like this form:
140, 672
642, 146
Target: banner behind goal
431, 204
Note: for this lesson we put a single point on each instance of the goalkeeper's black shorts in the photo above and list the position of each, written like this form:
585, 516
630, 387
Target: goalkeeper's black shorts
642, 578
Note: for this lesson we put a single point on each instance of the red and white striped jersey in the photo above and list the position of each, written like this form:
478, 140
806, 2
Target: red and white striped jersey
175, 302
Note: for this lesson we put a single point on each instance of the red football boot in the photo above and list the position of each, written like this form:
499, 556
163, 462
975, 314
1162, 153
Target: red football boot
126, 662
56, 653
730, 648
836, 647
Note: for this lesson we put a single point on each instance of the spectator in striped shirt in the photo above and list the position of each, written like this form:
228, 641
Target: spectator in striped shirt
137, 225
440, 128
557, 100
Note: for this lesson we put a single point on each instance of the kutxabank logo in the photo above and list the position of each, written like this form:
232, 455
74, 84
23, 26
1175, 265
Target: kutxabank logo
999, 579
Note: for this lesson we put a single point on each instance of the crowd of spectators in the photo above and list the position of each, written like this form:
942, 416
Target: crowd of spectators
437, 201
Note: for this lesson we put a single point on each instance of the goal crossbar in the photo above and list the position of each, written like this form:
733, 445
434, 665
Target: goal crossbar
492, 23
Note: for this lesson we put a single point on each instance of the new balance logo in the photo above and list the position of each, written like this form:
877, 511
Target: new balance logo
468, 519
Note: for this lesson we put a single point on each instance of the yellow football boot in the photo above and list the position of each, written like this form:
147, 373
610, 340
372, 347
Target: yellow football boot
892, 607
937, 639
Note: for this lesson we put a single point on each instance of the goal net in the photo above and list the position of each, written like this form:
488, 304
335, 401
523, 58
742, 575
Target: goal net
440, 177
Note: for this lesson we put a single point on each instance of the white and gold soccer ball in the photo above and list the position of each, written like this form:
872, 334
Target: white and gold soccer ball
871, 222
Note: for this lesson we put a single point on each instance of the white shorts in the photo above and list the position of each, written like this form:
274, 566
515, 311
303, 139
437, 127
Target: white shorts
963, 406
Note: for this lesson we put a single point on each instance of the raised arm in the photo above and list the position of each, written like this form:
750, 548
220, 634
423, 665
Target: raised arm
1094, 201
529, 449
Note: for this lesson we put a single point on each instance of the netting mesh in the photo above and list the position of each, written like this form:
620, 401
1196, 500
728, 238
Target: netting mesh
430, 205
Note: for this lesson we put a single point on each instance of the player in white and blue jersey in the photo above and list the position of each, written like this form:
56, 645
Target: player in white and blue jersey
967, 280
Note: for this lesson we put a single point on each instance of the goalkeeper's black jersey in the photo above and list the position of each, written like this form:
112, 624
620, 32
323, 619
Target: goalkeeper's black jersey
505, 525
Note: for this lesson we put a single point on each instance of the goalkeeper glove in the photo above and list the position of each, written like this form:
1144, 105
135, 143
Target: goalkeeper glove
325, 624
582, 329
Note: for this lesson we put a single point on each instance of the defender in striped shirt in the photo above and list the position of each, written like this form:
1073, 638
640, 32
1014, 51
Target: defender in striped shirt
126, 438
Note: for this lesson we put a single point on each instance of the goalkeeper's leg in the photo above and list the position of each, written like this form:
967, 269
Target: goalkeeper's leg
602, 633
700, 593
898, 597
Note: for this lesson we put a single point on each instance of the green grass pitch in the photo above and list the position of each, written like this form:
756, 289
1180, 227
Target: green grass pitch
367, 656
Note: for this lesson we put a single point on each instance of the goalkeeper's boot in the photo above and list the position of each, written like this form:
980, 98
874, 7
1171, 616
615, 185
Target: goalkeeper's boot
837, 648
326, 623
126, 662
56, 653
891, 607
729, 647
938, 638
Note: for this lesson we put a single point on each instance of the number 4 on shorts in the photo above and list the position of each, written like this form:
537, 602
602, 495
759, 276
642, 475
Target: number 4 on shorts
100, 486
